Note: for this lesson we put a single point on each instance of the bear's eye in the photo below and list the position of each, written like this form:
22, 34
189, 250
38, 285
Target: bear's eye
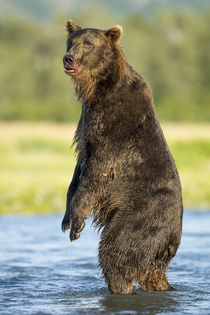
87, 43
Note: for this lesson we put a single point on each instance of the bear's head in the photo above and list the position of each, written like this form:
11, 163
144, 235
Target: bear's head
89, 49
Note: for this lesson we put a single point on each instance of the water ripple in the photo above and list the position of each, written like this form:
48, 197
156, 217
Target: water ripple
42, 273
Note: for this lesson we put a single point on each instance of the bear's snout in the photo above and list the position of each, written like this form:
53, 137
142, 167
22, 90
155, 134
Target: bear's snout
71, 67
68, 59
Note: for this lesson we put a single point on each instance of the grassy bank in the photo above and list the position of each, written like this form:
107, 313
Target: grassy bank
37, 162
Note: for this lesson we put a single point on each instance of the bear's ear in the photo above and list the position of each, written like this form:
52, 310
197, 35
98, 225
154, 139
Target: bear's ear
114, 33
71, 27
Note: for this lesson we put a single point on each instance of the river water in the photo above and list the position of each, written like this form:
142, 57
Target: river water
41, 272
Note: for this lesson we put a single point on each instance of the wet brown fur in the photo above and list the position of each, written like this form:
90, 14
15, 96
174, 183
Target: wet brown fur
125, 174
86, 82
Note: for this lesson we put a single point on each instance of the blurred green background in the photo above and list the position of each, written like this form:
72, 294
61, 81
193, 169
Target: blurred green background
166, 41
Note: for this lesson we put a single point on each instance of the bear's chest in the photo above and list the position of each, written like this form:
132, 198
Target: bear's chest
95, 122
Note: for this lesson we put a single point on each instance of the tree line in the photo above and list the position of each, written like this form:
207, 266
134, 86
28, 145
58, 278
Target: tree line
170, 49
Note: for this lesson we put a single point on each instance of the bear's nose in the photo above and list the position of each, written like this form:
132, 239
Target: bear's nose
68, 59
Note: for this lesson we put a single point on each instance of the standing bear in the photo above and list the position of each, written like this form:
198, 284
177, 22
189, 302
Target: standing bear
125, 175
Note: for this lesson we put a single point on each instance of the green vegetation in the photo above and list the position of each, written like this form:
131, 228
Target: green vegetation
192, 159
37, 162
170, 49
36, 165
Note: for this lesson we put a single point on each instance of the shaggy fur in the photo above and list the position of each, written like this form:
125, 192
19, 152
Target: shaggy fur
125, 174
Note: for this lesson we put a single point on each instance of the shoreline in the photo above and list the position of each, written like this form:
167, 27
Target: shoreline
37, 163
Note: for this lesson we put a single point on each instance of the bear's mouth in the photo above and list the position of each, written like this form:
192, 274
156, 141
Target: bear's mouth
70, 70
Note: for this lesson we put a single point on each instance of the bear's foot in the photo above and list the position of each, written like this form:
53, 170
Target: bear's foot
121, 288
118, 285
154, 280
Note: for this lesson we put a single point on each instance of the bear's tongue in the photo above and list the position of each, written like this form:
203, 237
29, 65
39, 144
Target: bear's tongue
70, 69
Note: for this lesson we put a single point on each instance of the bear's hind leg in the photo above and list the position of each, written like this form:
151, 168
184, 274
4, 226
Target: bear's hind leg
154, 280
119, 285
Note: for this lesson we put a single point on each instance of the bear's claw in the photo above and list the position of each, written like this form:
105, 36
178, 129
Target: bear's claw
76, 230
66, 224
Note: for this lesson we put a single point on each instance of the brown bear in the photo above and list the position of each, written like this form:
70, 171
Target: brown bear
125, 175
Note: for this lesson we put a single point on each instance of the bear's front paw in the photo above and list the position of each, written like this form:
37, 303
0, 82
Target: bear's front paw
78, 225
66, 223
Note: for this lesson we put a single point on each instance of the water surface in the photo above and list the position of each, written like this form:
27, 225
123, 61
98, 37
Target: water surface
41, 272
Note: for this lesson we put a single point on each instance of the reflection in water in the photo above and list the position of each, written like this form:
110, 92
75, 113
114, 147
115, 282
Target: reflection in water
144, 302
